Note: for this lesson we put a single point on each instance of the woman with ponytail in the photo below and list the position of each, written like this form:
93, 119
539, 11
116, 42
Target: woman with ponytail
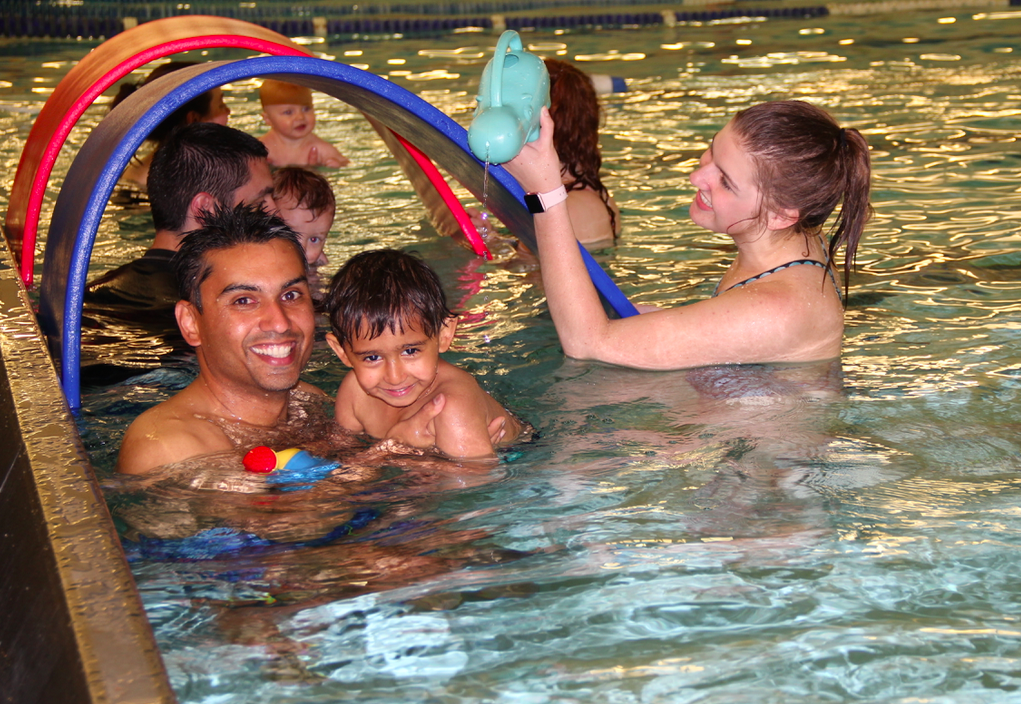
771, 179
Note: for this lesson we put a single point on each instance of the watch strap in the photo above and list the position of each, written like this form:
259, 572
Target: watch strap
541, 202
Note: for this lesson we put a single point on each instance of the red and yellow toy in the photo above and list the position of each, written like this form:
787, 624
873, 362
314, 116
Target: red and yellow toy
263, 460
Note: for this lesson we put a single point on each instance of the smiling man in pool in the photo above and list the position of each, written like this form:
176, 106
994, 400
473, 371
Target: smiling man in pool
245, 307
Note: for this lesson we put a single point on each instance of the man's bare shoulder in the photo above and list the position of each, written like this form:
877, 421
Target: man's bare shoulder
170, 432
311, 390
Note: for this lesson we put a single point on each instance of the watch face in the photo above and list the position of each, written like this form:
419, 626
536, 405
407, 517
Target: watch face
534, 203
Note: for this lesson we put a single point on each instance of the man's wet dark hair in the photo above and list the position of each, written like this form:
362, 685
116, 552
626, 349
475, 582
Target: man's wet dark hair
203, 157
223, 228
385, 289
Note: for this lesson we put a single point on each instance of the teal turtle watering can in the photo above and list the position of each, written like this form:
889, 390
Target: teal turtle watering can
514, 87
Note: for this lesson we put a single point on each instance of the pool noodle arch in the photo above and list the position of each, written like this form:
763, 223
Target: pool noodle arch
447, 195
97, 71
113, 142
114, 59
445, 211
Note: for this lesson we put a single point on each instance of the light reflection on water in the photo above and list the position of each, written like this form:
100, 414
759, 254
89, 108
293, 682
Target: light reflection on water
750, 535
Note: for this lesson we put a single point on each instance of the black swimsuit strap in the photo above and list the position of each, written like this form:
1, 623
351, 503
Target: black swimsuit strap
788, 265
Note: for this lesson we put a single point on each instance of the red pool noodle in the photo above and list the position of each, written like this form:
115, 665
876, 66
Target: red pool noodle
81, 86
451, 201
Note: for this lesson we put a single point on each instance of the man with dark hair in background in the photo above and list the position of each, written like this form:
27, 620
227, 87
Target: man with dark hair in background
199, 166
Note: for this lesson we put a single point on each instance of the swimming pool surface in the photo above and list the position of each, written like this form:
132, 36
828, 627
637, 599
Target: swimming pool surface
823, 533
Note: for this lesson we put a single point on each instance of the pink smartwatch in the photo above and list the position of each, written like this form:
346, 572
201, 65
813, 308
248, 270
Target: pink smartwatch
541, 202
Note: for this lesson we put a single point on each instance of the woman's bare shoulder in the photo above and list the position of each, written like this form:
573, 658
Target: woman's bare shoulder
311, 390
589, 217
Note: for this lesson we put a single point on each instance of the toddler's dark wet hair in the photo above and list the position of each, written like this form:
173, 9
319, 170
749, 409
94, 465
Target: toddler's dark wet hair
385, 289
306, 188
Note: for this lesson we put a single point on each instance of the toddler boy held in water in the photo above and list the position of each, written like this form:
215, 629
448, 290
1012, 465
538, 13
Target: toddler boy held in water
287, 109
390, 324
306, 203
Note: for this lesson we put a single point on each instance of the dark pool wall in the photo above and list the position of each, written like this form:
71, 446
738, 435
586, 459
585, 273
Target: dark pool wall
97, 19
72, 627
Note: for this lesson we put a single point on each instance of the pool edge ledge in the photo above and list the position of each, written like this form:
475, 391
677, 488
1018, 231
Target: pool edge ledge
74, 629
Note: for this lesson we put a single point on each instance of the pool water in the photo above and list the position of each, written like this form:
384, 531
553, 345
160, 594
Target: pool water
810, 533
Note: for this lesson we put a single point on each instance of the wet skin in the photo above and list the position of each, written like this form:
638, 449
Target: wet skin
259, 187
218, 110
312, 230
396, 367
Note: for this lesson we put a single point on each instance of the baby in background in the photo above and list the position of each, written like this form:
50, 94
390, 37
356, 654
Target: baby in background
287, 109
306, 203
390, 324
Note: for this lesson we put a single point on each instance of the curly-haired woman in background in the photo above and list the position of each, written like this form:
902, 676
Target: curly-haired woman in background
576, 112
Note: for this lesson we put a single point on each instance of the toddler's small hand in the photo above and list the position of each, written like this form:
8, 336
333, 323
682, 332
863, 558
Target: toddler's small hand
497, 430
419, 430
480, 219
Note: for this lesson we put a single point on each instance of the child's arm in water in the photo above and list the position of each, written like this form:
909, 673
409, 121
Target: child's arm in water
463, 427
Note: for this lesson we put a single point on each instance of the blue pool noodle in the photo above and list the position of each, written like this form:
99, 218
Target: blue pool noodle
106, 153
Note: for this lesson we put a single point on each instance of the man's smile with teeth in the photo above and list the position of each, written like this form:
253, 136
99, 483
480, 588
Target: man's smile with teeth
278, 350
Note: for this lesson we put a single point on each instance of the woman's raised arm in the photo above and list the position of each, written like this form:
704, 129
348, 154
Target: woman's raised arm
775, 320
